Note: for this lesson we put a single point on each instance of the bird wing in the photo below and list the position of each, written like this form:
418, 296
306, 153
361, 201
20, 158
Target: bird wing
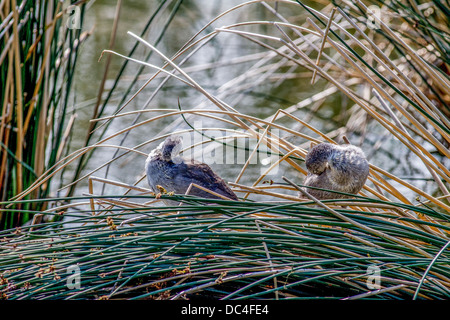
201, 174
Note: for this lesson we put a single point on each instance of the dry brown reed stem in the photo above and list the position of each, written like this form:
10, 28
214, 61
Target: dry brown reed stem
266, 249
325, 34
411, 187
399, 125
111, 182
6, 116
15, 54
261, 190
66, 136
260, 139
194, 185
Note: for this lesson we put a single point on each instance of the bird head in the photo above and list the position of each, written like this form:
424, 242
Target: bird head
318, 157
171, 147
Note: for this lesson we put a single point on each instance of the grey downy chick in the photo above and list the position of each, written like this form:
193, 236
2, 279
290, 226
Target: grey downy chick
165, 168
340, 168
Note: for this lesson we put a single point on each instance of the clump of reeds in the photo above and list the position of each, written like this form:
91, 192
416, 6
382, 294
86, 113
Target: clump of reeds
229, 250
275, 245
38, 52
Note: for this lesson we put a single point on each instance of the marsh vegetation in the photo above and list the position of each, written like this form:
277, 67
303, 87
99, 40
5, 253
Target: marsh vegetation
261, 80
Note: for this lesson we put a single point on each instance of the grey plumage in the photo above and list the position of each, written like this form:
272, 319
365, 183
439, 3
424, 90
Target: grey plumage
340, 168
164, 167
